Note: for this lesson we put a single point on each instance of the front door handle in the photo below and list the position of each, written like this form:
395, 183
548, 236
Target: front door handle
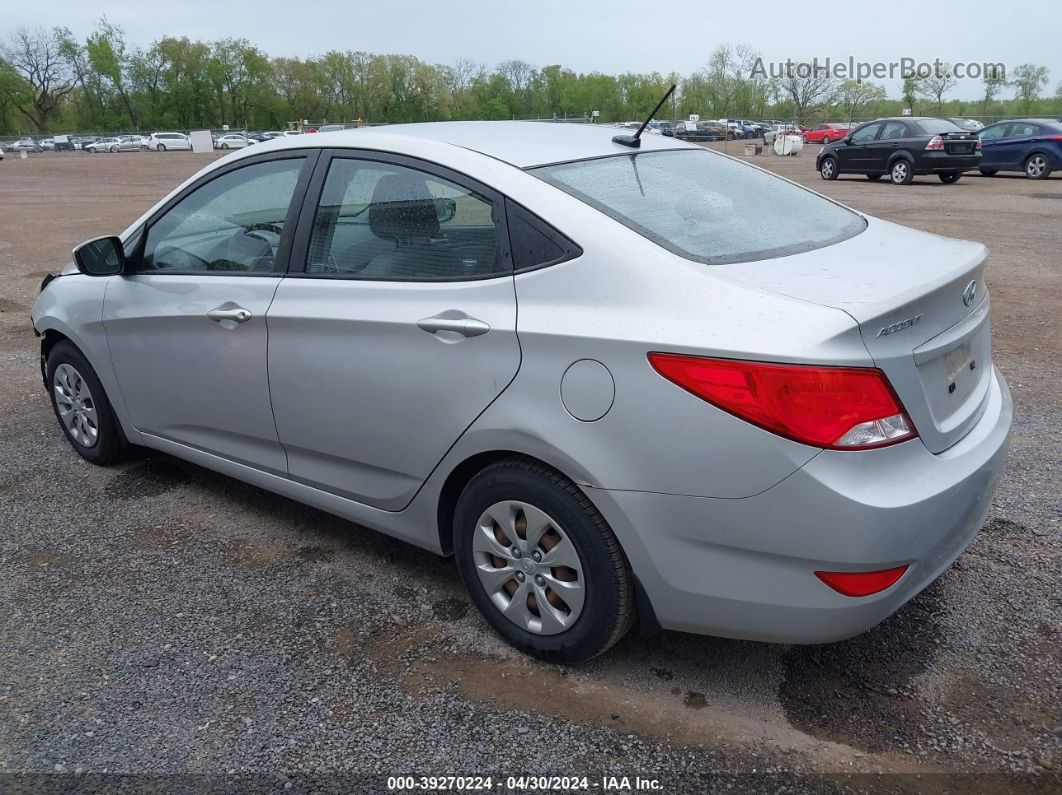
233, 314
465, 326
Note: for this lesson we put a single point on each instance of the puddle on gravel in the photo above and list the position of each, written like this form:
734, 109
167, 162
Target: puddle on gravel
147, 480
858, 691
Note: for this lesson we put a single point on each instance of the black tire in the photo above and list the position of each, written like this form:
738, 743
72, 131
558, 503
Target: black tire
825, 140
901, 172
608, 609
114, 148
951, 177
989, 172
828, 168
110, 446
224, 146
1037, 166
161, 148
873, 177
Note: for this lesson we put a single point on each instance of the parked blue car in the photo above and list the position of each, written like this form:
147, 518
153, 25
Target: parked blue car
1030, 145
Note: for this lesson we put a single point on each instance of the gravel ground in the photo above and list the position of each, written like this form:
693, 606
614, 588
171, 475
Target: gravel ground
159, 619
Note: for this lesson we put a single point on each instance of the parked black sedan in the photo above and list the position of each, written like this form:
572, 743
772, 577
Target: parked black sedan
902, 148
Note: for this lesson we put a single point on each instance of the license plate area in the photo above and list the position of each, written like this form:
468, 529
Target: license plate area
955, 369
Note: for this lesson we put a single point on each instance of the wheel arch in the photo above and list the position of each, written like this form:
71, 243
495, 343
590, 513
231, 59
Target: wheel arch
903, 154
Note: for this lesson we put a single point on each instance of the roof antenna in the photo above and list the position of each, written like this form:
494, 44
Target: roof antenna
635, 140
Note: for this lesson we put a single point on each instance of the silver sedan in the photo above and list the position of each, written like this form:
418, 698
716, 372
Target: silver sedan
618, 384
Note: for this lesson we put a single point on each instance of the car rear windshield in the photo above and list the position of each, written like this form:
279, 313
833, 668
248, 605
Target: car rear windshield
704, 206
938, 126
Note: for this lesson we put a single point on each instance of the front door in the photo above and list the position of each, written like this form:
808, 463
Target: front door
400, 331
992, 145
858, 153
187, 329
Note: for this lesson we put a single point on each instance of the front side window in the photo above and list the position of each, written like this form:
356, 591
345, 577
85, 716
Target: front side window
388, 222
704, 206
992, 133
232, 224
866, 133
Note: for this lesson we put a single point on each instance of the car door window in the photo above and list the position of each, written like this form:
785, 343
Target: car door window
232, 224
389, 222
866, 134
1023, 130
894, 130
992, 133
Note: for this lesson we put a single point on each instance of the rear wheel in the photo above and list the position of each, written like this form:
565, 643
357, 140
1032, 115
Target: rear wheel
82, 407
541, 564
989, 172
825, 140
1037, 167
950, 177
901, 173
828, 168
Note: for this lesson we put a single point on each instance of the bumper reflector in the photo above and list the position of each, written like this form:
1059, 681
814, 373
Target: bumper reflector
861, 583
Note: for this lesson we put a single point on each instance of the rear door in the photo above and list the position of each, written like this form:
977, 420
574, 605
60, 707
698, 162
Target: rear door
1018, 143
396, 328
894, 136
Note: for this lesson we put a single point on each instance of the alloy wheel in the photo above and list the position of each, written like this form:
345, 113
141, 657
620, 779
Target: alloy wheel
529, 567
76, 406
1036, 166
827, 168
899, 172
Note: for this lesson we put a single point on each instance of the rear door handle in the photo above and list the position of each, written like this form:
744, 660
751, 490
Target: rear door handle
465, 326
233, 314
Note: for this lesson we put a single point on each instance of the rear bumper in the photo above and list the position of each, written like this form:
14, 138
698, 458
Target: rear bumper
938, 162
743, 568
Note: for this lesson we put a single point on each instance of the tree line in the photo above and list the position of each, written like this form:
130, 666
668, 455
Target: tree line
52, 81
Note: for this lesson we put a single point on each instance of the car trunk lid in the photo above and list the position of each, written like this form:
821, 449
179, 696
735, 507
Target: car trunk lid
959, 143
921, 320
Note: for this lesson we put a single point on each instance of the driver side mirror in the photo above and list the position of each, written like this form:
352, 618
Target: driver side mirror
445, 209
102, 256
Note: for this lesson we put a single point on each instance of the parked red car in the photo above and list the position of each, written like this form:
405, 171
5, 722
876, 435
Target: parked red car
826, 133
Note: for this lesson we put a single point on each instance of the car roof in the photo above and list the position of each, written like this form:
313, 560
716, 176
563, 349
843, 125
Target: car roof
521, 144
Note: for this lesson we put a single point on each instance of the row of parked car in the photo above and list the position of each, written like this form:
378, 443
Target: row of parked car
904, 147
156, 142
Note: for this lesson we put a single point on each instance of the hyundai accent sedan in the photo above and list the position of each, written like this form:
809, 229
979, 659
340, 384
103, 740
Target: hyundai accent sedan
618, 384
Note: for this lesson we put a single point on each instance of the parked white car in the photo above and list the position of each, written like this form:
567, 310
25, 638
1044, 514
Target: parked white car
232, 141
161, 142
123, 144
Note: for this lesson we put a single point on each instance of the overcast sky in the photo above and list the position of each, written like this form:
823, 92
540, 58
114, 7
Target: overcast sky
594, 35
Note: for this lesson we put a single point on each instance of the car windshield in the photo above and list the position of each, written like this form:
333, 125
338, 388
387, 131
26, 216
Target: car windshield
706, 207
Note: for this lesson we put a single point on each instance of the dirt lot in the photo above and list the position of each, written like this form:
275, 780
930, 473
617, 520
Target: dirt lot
160, 618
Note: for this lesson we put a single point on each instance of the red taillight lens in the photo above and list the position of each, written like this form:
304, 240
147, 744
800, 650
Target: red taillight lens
978, 144
1054, 138
843, 408
861, 583
936, 143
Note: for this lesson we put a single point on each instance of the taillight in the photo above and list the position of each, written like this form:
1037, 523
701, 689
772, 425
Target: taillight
1054, 138
978, 144
861, 583
936, 143
841, 408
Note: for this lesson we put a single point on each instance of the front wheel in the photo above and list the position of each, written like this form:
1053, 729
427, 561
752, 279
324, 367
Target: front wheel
989, 172
828, 168
224, 146
161, 148
825, 140
82, 407
1037, 167
541, 564
114, 148
901, 173
950, 177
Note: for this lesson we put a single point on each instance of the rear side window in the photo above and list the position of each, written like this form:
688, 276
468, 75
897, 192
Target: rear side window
535, 243
704, 206
1024, 129
894, 130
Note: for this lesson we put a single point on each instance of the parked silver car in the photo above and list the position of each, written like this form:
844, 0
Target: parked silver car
618, 384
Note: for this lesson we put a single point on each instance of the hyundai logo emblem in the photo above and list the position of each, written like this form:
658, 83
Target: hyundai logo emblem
969, 293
